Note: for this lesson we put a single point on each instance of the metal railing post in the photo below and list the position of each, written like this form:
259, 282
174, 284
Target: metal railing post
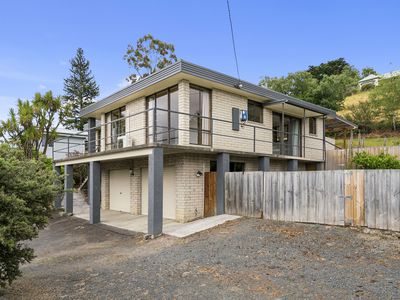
154, 125
254, 139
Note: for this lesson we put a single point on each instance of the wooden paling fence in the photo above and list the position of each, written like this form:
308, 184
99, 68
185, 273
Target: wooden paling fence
340, 159
352, 197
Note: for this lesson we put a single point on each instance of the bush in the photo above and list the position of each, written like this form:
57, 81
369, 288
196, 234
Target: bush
27, 192
364, 160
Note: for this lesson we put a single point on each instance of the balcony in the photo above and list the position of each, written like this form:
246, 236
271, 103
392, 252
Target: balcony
156, 126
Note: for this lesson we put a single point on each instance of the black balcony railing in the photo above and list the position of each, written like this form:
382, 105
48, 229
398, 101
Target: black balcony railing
161, 126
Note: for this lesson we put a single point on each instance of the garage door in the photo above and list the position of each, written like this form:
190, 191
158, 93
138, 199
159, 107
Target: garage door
169, 201
120, 190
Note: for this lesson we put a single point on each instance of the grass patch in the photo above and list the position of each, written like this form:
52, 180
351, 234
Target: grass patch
372, 141
354, 99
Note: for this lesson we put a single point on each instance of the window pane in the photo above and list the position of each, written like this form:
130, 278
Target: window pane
236, 167
162, 117
194, 110
150, 121
255, 110
205, 122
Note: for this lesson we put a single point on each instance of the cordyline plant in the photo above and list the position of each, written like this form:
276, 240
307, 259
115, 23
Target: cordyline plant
148, 56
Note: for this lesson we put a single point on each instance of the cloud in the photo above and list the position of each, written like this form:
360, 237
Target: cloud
63, 63
123, 83
42, 87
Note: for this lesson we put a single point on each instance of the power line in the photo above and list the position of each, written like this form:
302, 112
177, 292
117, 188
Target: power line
233, 39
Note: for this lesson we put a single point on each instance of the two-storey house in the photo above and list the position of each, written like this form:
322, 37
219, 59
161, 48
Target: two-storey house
164, 143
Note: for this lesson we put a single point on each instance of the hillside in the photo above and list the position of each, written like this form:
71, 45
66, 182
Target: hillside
354, 99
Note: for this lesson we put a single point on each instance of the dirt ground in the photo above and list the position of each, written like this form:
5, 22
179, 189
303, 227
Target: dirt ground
242, 259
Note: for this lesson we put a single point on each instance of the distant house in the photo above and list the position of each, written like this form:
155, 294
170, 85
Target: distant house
373, 80
67, 143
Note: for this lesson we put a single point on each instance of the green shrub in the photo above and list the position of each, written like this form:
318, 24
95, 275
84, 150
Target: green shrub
364, 160
27, 192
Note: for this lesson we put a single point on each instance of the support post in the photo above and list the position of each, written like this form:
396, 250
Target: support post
57, 200
282, 133
324, 138
68, 186
155, 189
263, 163
222, 168
92, 135
293, 165
94, 191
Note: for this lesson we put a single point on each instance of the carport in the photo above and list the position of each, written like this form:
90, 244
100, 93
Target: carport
127, 221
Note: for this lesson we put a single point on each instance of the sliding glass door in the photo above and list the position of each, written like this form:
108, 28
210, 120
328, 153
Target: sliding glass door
162, 122
286, 135
200, 126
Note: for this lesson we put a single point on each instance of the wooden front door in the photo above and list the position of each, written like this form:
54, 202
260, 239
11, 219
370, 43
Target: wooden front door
210, 194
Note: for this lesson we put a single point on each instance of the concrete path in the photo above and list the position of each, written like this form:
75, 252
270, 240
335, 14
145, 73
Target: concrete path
136, 223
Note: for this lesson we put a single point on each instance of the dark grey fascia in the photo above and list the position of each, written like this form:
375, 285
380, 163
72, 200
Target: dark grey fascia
207, 74
133, 88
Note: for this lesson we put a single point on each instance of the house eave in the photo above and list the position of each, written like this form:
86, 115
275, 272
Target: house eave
191, 69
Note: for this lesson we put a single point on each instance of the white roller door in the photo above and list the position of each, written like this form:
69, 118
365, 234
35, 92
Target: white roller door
120, 190
169, 195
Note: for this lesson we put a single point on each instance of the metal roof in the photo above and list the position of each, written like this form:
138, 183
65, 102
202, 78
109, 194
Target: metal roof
182, 66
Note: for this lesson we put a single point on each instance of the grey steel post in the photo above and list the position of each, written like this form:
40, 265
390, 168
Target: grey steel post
68, 186
92, 135
57, 200
293, 165
222, 168
94, 191
263, 163
155, 189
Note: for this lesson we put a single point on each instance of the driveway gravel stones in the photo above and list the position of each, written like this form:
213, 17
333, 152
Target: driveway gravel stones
241, 259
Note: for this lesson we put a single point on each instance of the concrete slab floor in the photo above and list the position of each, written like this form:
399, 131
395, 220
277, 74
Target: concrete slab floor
136, 223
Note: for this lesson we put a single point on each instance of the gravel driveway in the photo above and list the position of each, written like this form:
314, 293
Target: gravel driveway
242, 259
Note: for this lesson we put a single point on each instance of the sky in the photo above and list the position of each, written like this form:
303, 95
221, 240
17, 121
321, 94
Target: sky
273, 38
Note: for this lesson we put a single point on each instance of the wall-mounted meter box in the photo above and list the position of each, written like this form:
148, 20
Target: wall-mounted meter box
243, 115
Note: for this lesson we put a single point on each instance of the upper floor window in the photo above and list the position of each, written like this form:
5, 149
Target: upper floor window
162, 119
116, 125
312, 123
255, 111
199, 108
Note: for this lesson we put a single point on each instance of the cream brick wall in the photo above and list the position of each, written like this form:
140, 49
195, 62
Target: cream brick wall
105, 189
189, 187
183, 106
135, 126
278, 165
242, 140
313, 143
103, 133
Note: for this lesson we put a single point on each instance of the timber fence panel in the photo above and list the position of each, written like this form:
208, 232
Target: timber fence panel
382, 199
244, 193
355, 197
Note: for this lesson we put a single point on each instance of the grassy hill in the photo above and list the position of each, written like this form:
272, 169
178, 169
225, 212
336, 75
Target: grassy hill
372, 139
354, 99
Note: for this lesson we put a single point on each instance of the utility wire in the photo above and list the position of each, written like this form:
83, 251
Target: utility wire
233, 39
